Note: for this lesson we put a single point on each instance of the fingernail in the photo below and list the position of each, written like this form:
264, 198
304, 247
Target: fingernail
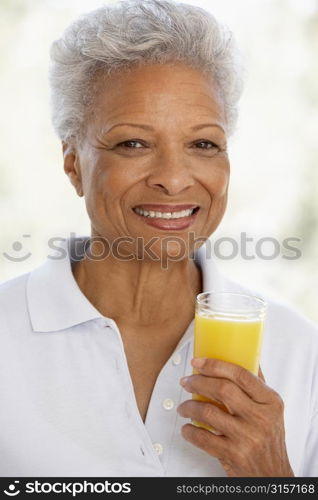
184, 380
198, 362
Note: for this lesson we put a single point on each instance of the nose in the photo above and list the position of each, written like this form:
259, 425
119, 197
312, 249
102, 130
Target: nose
171, 174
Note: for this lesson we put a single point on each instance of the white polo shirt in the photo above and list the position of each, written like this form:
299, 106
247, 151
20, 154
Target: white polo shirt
67, 400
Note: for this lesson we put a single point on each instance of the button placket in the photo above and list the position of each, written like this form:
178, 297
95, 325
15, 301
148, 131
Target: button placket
162, 416
143, 442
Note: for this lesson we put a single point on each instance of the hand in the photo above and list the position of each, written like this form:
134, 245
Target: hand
252, 440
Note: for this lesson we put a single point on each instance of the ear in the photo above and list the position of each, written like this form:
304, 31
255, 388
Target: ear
71, 167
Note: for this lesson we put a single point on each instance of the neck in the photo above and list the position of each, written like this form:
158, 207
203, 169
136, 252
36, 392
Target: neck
140, 290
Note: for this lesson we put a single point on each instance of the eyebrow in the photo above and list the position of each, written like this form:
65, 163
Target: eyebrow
148, 127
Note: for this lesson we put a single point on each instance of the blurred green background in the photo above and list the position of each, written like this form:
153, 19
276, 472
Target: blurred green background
274, 153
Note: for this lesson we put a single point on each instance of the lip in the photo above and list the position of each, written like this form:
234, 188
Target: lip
165, 208
168, 224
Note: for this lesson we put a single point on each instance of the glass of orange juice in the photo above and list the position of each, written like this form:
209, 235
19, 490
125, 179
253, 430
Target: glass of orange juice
228, 326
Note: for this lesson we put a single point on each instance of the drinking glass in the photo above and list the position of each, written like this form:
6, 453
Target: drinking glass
228, 326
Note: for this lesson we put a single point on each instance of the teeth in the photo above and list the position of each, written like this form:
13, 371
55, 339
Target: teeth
164, 215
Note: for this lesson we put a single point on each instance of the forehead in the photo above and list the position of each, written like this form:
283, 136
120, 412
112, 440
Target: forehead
157, 89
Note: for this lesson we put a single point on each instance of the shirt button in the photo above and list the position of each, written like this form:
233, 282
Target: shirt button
158, 448
176, 360
168, 404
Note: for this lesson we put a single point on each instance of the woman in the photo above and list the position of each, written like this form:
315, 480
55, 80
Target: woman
97, 340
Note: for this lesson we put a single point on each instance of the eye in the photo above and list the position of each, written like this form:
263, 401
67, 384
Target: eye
203, 144
131, 144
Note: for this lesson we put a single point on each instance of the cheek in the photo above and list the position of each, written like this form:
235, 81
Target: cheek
217, 181
104, 185
106, 198
116, 179
97, 194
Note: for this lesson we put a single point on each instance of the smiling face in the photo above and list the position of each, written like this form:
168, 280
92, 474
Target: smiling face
152, 161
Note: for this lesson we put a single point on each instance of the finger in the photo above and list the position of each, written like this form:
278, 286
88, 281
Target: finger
209, 414
222, 390
252, 385
216, 446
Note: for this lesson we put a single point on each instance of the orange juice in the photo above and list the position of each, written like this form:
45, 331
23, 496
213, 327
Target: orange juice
236, 341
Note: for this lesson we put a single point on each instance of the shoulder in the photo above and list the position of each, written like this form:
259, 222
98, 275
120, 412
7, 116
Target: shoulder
13, 284
13, 304
10, 288
282, 316
282, 319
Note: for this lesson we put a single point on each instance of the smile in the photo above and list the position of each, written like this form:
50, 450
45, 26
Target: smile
165, 215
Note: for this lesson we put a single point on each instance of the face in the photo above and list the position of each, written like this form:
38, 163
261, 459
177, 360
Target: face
152, 163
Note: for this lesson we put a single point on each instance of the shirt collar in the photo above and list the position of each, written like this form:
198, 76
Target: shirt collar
212, 279
55, 301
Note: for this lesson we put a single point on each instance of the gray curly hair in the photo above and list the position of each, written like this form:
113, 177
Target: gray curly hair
127, 33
